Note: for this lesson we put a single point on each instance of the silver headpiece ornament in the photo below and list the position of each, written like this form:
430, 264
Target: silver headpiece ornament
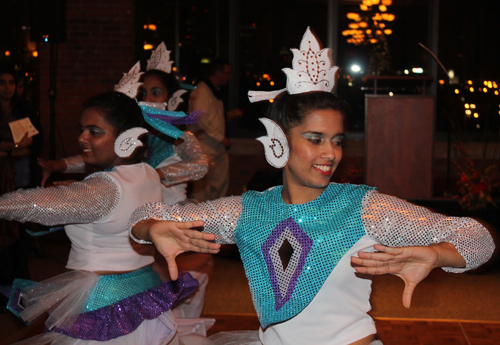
312, 70
129, 83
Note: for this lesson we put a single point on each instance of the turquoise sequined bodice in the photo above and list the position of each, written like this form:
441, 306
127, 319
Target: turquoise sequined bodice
320, 233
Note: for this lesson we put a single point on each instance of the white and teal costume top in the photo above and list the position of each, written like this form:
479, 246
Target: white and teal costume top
316, 297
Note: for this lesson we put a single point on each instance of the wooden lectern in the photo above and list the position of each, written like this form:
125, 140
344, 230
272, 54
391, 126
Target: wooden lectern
399, 138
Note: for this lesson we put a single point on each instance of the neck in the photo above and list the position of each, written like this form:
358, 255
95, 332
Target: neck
213, 80
294, 194
5, 105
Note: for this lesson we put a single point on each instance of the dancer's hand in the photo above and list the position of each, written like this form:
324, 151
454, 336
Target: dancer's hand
49, 166
412, 264
173, 238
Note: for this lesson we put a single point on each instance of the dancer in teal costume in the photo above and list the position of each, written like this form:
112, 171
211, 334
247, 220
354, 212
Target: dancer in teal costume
315, 295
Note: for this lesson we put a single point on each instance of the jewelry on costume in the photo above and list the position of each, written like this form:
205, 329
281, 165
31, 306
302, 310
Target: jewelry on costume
129, 83
160, 59
275, 144
128, 141
312, 70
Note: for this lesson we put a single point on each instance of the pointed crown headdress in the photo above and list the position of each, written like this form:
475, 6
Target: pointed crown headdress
312, 70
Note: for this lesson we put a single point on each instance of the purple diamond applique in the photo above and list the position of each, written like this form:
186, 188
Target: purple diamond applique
283, 280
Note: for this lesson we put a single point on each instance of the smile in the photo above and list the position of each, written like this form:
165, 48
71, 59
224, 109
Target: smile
323, 168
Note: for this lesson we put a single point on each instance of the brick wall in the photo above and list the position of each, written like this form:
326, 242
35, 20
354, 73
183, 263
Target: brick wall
99, 48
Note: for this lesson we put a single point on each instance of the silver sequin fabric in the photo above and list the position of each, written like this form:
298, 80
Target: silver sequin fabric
220, 216
74, 164
194, 164
389, 220
80, 202
396, 223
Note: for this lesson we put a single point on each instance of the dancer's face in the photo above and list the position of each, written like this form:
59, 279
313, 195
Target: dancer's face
97, 140
7, 86
315, 151
152, 90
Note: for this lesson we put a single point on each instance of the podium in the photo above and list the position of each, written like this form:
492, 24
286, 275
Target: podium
399, 140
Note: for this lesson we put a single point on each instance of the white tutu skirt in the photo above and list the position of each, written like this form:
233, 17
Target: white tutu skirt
85, 308
244, 338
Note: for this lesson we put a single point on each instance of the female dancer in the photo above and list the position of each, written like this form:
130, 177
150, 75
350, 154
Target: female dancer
314, 295
110, 295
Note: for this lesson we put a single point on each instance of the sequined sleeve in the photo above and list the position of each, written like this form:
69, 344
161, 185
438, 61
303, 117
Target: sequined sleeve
74, 164
398, 223
194, 164
80, 202
220, 216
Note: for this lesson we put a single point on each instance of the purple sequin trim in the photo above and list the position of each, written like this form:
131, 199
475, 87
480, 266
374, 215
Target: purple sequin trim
268, 251
190, 118
125, 316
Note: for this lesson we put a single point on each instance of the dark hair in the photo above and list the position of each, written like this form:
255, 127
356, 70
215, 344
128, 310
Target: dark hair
168, 80
217, 64
289, 111
119, 110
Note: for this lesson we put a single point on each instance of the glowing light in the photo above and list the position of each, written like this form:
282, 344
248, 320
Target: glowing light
349, 83
266, 76
485, 89
373, 40
367, 2
478, 126
473, 106
363, 24
485, 83
495, 85
375, 2
258, 83
145, 26
271, 101
476, 115
407, 72
271, 83
471, 89
490, 84
363, 7
496, 92
7, 53
390, 17
152, 27
417, 70
391, 93
353, 16
451, 74
469, 82
369, 32
387, 31
468, 112
174, 68
378, 32
353, 25
441, 81
382, 8
457, 91
381, 25
466, 105
387, 2
148, 46
355, 68
35, 54
205, 60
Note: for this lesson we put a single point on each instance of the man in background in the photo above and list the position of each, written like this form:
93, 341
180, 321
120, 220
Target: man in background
211, 131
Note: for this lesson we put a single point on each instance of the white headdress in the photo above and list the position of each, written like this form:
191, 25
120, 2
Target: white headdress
130, 81
160, 59
312, 70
